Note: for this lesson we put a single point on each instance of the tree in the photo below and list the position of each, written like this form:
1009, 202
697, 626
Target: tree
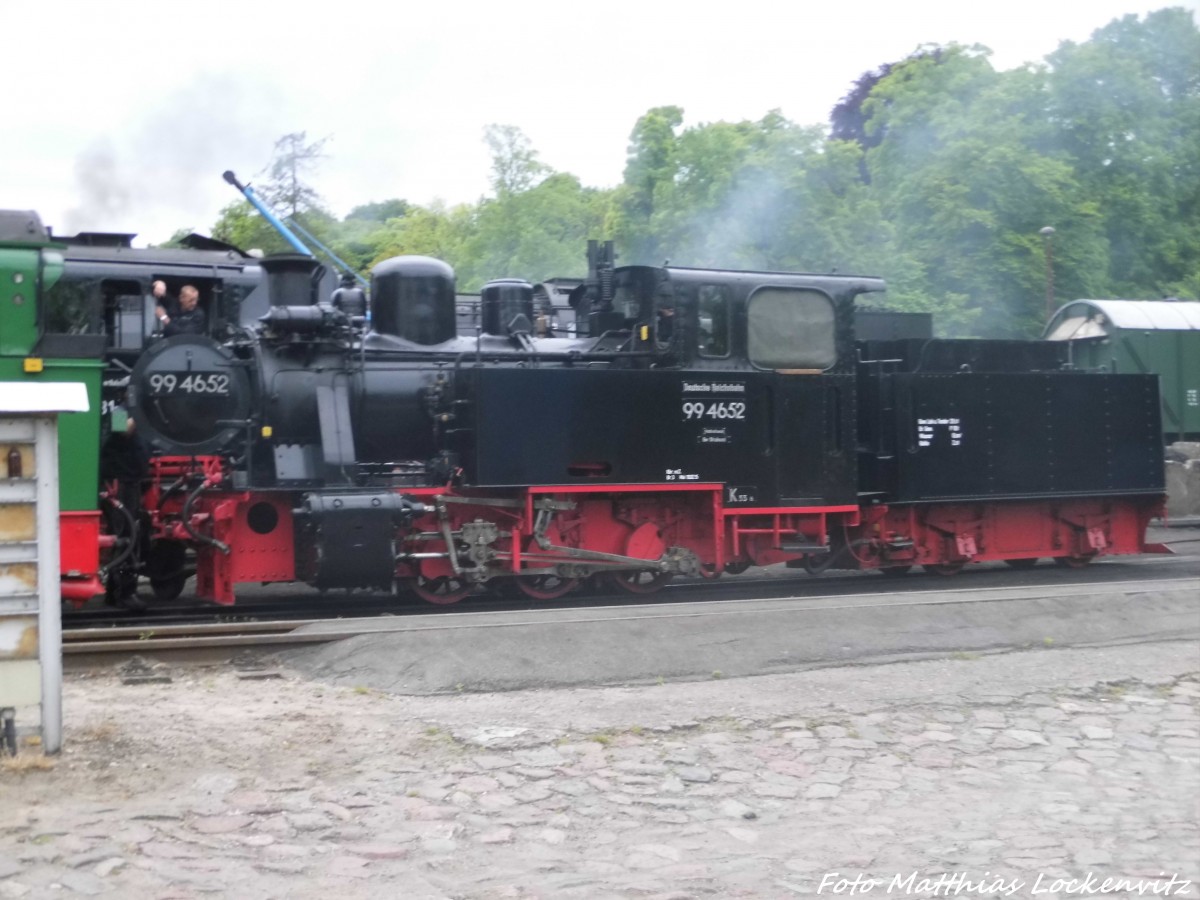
287, 193
650, 169
378, 212
938, 174
356, 238
963, 172
537, 223
176, 238
436, 231
294, 159
765, 194
241, 224
535, 234
1127, 107
848, 120
515, 166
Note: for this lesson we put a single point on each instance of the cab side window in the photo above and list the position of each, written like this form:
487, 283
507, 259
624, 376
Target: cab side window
791, 328
712, 307
73, 306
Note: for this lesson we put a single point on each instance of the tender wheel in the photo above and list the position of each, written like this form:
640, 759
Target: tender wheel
638, 582
944, 568
166, 570
1026, 563
1072, 562
442, 590
737, 567
545, 587
895, 571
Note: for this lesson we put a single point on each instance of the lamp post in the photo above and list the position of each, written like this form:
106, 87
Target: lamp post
1047, 234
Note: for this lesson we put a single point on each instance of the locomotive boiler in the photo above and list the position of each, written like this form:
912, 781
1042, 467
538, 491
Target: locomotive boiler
700, 421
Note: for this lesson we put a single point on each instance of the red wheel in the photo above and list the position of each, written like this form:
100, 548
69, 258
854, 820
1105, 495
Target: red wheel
638, 582
442, 590
944, 568
1072, 562
895, 571
1027, 562
545, 587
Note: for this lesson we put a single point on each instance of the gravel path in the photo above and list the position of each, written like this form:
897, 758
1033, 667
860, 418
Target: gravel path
1047, 764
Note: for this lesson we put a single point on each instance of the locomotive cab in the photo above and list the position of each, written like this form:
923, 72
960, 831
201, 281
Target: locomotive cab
716, 376
790, 324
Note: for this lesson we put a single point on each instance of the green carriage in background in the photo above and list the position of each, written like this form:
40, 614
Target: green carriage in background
1159, 337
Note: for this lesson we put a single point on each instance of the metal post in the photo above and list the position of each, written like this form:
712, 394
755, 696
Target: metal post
1047, 234
50, 601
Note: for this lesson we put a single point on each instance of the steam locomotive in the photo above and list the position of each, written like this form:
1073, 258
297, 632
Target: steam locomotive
698, 421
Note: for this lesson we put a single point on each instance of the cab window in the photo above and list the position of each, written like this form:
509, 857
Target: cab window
72, 306
712, 310
791, 328
633, 295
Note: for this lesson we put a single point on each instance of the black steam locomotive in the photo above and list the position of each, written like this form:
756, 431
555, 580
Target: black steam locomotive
698, 422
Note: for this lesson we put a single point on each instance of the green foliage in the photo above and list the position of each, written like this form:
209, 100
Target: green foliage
960, 173
535, 234
437, 231
176, 239
1129, 106
537, 224
650, 170
375, 213
241, 225
515, 166
938, 174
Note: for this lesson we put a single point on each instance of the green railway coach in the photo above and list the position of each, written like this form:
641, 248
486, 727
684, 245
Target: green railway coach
1153, 336
30, 265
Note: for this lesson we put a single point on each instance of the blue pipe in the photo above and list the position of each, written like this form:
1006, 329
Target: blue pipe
267, 214
308, 234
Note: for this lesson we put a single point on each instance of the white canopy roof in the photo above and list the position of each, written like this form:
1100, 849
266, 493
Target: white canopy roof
42, 396
1096, 318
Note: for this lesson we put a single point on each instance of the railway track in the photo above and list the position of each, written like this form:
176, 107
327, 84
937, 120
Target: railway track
219, 641
200, 636
297, 606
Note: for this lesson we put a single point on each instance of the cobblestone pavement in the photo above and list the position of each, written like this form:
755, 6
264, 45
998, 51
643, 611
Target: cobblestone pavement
274, 789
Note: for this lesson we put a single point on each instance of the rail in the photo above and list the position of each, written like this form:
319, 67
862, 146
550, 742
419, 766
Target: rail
221, 635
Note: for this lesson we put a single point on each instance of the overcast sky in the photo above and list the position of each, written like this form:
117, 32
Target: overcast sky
121, 115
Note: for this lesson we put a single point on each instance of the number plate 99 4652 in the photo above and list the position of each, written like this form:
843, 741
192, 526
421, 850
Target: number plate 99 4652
193, 383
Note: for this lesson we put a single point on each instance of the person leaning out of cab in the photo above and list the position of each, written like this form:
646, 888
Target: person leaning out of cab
182, 315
